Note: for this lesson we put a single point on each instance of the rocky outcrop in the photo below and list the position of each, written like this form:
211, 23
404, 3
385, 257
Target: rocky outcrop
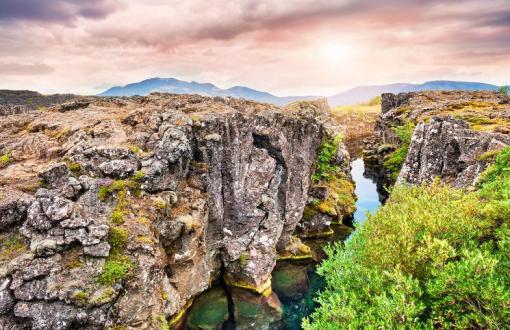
453, 131
447, 149
143, 202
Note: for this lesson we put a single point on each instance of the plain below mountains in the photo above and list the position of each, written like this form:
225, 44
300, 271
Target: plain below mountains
351, 96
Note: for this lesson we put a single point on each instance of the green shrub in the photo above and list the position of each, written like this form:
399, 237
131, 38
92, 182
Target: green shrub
394, 161
431, 257
325, 167
503, 90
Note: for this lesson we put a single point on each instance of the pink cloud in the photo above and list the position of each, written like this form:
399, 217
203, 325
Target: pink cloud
287, 47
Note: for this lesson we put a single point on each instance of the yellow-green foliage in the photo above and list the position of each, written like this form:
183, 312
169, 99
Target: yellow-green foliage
134, 149
432, 257
5, 160
11, 246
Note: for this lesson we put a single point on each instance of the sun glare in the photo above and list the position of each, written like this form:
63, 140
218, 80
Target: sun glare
335, 52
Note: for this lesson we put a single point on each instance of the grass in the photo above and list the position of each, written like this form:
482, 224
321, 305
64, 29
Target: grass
373, 106
433, 257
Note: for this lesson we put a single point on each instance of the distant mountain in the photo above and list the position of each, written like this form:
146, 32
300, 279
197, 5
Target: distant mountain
171, 85
364, 93
351, 96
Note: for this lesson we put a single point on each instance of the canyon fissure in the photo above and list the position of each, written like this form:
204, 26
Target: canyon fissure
121, 212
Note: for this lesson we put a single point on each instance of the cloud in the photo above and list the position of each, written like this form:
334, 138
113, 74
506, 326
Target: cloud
55, 11
287, 47
15, 69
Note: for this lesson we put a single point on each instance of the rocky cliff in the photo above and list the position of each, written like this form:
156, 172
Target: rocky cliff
447, 135
117, 212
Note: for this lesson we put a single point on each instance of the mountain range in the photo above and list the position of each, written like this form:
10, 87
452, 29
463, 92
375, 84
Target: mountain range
351, 96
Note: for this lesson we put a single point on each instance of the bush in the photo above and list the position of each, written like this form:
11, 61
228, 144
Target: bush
503, 90
325, 166
431, 257
396, 159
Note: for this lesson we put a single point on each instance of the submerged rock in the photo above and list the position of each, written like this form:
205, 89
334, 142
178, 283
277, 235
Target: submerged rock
254, 311
290, 282
209, 311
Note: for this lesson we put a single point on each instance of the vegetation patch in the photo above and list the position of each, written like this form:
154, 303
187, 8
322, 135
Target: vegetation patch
117, 266
5, 159
325, 167
394, 161
11, 246
433, 257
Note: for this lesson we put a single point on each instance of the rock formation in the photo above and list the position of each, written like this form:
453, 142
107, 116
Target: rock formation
455, 134
117, 212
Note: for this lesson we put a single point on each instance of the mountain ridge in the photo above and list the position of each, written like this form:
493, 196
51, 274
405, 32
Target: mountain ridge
351, 96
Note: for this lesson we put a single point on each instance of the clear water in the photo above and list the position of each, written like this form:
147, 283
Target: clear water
295, 309
368, 201
366, 190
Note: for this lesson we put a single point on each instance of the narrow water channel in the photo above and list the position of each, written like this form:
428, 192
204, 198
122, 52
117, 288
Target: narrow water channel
294, 283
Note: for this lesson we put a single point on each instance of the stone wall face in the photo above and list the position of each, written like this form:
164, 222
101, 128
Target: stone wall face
132, 206
452, 131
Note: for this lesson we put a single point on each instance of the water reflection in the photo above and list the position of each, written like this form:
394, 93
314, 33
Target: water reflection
366, 190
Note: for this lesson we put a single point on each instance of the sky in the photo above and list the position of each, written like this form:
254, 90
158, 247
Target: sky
287, 47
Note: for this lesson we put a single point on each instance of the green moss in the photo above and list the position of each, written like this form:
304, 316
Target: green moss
117, 217
159, 203
117, 266
118, 186
5, 160
134, 149
118, 238
243, 259
489, 155
105, 296
115, 270
80, 297
309, 212
74, 167
138, 176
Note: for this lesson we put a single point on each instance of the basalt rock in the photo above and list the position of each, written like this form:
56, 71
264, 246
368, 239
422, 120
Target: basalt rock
147, 201
447, 149
453, 130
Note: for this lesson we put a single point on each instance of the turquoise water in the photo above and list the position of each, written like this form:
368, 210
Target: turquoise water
297, 297
368, 201
366, 190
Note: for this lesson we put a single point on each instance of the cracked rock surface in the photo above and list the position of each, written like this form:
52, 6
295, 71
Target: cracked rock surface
119, 211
